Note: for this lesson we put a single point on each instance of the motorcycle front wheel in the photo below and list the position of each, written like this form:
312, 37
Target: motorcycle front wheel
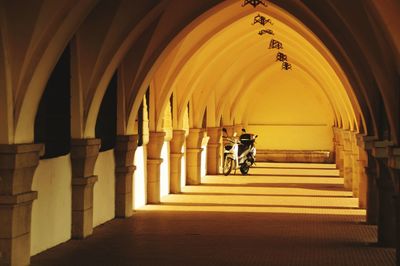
244, 168
228, 162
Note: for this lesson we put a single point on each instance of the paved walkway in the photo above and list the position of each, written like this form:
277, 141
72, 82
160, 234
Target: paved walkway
281, 214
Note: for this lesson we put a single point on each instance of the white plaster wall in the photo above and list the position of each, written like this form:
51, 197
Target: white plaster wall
183, 166
51, 212
104, 189
139, 178
293, 137
164, 170
294, 114
203, 167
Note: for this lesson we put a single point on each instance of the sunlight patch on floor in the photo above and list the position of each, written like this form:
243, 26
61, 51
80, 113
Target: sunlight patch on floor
297, 165
270, 188
288, 210
243, 190
284, 181
293, 172
256, 200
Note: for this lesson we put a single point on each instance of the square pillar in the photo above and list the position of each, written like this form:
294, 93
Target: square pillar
372, 190
124, 153
365, 144
356, 167
347, 159
394, 168
17, 166
213, 150
339, 146
386, 196
176, 143
193, 156
84, 154
154, 160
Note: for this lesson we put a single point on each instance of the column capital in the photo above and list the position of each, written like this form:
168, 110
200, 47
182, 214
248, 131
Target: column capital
84, 154
176, 143
126, 142
124, 150
238, 128
156, 141
215, 135
394, 158
381, 149
366, 142
18, 163
18, 199
195, 137
230, 129
21, 148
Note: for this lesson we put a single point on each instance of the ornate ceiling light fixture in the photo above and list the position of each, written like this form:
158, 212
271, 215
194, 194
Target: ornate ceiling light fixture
274, 44
286, 66
254, 3
281, 57
262, 20
284, 59
267, 31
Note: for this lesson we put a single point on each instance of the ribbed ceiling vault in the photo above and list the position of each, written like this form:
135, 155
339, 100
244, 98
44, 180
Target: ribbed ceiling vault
224, 59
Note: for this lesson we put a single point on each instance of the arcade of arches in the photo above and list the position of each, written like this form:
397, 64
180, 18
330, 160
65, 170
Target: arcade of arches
106, 106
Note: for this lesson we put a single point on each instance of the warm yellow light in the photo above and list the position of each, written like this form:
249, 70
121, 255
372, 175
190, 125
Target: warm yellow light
312, 190
290, 210
204, 157
164, 170
139, 181
183, 167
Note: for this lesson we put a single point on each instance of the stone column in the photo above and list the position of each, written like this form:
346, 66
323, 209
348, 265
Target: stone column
394, 168
397, 233
230, 130
193, 156
176, 154
355, 160
213, 150
238, 129
154, 160
372, 190
339, 150
386, 193
347, 160
364, 144
18, 163
124, 154
84, 154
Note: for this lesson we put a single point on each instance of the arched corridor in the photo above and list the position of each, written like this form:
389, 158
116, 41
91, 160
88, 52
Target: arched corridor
115, 109
282, 214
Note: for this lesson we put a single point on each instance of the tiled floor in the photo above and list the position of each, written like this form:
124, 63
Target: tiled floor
278, 215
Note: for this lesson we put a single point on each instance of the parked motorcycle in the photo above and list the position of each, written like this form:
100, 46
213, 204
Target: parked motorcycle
239, 152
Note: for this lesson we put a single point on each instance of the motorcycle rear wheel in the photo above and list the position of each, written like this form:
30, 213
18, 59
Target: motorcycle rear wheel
228, 162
